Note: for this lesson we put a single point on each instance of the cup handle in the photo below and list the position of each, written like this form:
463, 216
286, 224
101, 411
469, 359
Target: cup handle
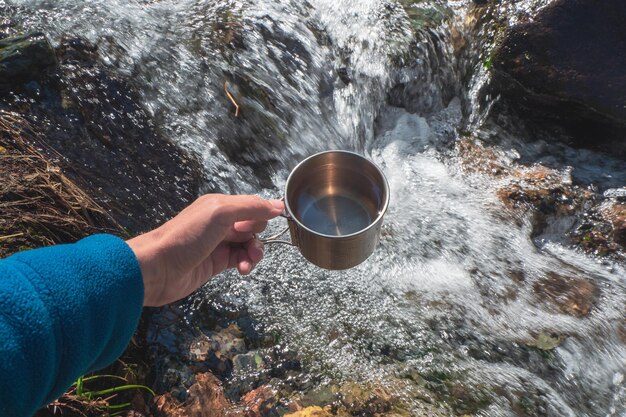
276, 238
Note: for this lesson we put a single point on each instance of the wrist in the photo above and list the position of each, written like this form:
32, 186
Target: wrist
146, 248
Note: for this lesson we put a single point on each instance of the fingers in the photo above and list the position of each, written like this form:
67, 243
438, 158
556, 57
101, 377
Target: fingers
249, 256
210, 235
250, 226
255, 251
236, 237
239, 208
244, 263
245, 230
221, 259
245, 257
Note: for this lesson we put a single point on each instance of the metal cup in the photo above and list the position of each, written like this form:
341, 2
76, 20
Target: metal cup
334, 204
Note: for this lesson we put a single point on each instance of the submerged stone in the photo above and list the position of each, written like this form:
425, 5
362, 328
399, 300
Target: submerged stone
425, 14
571, 295
228, 342
615, 213
24, 58
206, 399
603, 229
547, 341
248, 362
313, 411
259, 402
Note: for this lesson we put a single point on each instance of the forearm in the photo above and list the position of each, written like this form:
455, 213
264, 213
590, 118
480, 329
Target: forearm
64, 310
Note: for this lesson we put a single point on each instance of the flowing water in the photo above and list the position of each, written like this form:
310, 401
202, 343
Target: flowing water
453, 292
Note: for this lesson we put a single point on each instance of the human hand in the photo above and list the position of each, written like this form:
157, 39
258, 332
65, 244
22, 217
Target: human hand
214, 233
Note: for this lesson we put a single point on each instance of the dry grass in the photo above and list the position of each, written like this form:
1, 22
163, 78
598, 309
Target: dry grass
39, 204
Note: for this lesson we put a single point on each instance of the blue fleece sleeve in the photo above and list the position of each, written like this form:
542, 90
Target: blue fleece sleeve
64, 310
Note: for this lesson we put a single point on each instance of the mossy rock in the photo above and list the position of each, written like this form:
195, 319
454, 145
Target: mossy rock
24, 58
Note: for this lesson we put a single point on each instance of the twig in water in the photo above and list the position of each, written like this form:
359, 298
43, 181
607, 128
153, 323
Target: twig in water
232, 100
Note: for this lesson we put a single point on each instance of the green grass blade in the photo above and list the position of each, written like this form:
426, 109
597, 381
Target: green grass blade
120, 388
91, 378
117, 406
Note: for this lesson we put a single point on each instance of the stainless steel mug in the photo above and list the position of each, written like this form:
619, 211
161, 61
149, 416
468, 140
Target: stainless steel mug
334, 204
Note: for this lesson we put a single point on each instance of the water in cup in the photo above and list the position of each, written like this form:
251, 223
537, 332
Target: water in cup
334, 215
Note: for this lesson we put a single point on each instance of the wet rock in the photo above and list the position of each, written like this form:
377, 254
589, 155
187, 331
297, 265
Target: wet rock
200, 349
250, 370
459, 41
228, 342
7, 26
571, 295
598, 222
591, 238
248, 362
615, 213
419, 37
566, 67
425, 14
321, 396
282, 362
603, 230
294, 55
503, 353
173, 378
549, 201
226, 31
364, 400
344, 75
313, 411
548, 191
469, 400
547, 341
206, 399
259, 402
97, 131
24, 58
166, 406
252, 136
385, 400
433, 83
215, 351
476, 158
549, 194
159, 179
617, 193
218, 340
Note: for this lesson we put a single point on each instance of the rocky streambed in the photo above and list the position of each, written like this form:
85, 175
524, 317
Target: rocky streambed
499, 284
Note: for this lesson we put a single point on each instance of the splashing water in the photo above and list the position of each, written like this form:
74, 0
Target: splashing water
455, 291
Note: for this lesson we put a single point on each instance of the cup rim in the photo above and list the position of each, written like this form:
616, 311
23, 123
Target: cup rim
381, 212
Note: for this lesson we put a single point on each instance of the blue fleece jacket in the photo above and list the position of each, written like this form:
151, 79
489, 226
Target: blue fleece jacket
64, 310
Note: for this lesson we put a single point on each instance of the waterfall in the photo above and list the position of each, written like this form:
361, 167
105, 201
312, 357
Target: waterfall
459, 290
